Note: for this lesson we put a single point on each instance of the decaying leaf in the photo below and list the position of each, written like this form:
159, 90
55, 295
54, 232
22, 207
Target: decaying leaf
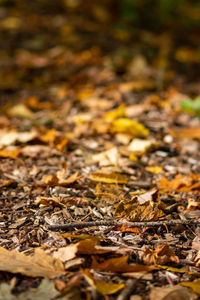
145, 207
60, 178
163, 254
108, 177
103, 287
181, 183
38, 265
170, 293
125, 125
120, 265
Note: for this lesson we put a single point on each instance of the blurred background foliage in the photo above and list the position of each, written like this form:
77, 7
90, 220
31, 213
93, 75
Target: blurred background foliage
150, 14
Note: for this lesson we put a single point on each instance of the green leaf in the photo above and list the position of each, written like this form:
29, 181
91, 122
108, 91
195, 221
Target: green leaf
192, 106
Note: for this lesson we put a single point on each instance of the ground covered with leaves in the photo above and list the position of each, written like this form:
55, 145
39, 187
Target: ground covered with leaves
99, 129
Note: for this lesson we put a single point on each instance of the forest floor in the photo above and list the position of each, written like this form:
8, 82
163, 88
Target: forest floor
98, 124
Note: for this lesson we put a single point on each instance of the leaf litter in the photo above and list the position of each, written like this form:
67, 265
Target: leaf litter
91, 135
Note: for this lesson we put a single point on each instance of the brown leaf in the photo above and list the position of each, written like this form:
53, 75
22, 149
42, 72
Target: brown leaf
163, 254
141, 208
38, 265
170, 293
88, 246
120, 265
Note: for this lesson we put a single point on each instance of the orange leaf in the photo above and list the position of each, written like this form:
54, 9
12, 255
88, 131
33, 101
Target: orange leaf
120, 265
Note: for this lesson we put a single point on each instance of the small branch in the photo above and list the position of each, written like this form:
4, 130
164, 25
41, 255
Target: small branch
79, 225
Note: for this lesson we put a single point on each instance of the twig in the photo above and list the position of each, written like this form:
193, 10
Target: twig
128, 290
80, 225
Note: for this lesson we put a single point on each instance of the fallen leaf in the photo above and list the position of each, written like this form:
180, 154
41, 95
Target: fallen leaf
120, 265
11, 137
186, 133
59, 178
194, 285
88, 246
175, 270
108, 177
145, 207
170, 293
193, 204
106, 158
125, 125
141, 146
163, 254
5, 152
154, 169
116, 113
21, 111
38, 265
181, 183
103, 287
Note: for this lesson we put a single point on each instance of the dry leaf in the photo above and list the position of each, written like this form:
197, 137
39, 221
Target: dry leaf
9, 153
21, 111
194, 285
154, 169
59, 178
88, 246
193, 204
186, 133
103, 287
38, 265
125, 125
163, 254
108, 177
116, 113
145, 207
11, 137
106, 158
180, 183
120, 265
141, 146
170, 293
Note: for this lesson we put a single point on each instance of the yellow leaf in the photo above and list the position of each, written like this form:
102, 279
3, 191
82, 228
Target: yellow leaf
21, 111
108, 178
194, 285
103, 287
125, 125
155, 169
175, 270
116, 113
